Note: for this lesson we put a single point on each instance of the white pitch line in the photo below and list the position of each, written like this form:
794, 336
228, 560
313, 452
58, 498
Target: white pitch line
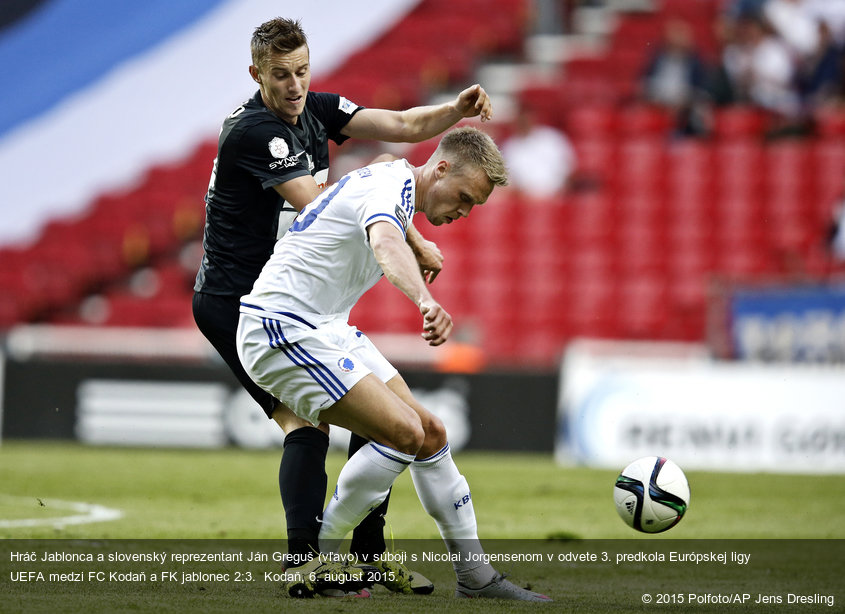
85, 513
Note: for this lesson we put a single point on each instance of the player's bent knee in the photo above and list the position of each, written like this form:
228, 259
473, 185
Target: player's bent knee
435, 433
434, 428
406, 436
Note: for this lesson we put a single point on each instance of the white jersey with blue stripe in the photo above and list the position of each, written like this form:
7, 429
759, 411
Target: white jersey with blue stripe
325, 263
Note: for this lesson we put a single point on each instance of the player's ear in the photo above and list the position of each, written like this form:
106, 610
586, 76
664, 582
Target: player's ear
441, 169
253, 72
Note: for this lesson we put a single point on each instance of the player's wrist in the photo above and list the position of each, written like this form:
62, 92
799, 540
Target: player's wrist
426, 302
417, 248
454, 109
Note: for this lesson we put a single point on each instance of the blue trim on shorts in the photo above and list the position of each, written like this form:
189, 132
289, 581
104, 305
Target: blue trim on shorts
314, 368
301, 358
321, 366
287, 314
377, 447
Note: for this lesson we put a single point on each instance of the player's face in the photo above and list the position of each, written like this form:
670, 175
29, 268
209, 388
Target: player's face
284, 80
454, 194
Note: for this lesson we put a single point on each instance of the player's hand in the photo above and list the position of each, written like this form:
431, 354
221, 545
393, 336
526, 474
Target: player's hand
437, 323
429, 258
474, 101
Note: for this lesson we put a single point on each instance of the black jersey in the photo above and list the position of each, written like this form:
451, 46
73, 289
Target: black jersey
256, 151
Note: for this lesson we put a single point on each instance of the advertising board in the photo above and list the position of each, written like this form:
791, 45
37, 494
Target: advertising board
621, 401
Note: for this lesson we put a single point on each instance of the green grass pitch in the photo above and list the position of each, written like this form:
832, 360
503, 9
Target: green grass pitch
793, 526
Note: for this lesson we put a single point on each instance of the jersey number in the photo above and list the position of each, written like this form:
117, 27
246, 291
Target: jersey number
301, 223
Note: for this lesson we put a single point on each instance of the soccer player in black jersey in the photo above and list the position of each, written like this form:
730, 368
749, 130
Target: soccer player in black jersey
272, 160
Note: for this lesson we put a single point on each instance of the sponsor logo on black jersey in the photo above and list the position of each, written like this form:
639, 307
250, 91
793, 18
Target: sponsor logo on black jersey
290, 161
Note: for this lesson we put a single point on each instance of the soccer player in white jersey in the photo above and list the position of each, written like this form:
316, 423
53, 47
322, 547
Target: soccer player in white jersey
295, 341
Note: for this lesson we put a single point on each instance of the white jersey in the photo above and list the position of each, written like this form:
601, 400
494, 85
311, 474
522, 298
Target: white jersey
325, 263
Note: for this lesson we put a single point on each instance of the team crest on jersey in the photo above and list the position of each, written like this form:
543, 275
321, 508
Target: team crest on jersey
346, 365
278, 148
347, 106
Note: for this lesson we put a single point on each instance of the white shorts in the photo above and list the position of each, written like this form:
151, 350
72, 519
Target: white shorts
308, 365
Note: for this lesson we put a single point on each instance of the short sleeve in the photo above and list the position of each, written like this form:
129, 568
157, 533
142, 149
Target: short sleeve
334, 111
388, 201
271, 154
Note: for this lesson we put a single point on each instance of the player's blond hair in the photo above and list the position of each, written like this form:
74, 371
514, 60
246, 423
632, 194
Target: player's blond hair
278, 35
468, 146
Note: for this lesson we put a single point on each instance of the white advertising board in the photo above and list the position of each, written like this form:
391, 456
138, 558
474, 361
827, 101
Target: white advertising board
620, 401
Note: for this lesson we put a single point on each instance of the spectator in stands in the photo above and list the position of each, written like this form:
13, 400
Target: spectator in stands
794, 24
720, 88
832, 13
820, 73
676, 77
540, 158
737, 9
760, 68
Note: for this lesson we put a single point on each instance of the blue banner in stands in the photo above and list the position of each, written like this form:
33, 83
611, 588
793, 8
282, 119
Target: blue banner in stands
801, 323
64, 45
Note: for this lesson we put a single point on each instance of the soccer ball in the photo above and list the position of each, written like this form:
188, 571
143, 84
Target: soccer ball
651, 494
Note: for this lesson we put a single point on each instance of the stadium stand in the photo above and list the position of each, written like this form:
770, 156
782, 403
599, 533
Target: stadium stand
634, 255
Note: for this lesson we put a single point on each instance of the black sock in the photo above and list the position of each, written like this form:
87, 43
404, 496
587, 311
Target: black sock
368, 536
302, 484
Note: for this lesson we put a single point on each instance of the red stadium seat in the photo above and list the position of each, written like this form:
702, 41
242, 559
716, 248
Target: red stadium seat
690, 9
588, 82
642, 307
738, 123
637, 32
740, 165
828, 162
594, 123
374, 90
830, 122
421, 28
587, 68
596, 158
641, 166
166, 311
789, 164
548, 103
641, 249
592, 309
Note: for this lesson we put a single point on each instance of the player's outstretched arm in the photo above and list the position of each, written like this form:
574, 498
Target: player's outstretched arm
419, 123
400, 267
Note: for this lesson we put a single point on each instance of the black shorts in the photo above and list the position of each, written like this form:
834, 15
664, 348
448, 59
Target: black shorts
217, 318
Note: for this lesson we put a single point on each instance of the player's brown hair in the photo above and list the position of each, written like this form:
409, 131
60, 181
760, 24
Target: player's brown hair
468, 146
278, 35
